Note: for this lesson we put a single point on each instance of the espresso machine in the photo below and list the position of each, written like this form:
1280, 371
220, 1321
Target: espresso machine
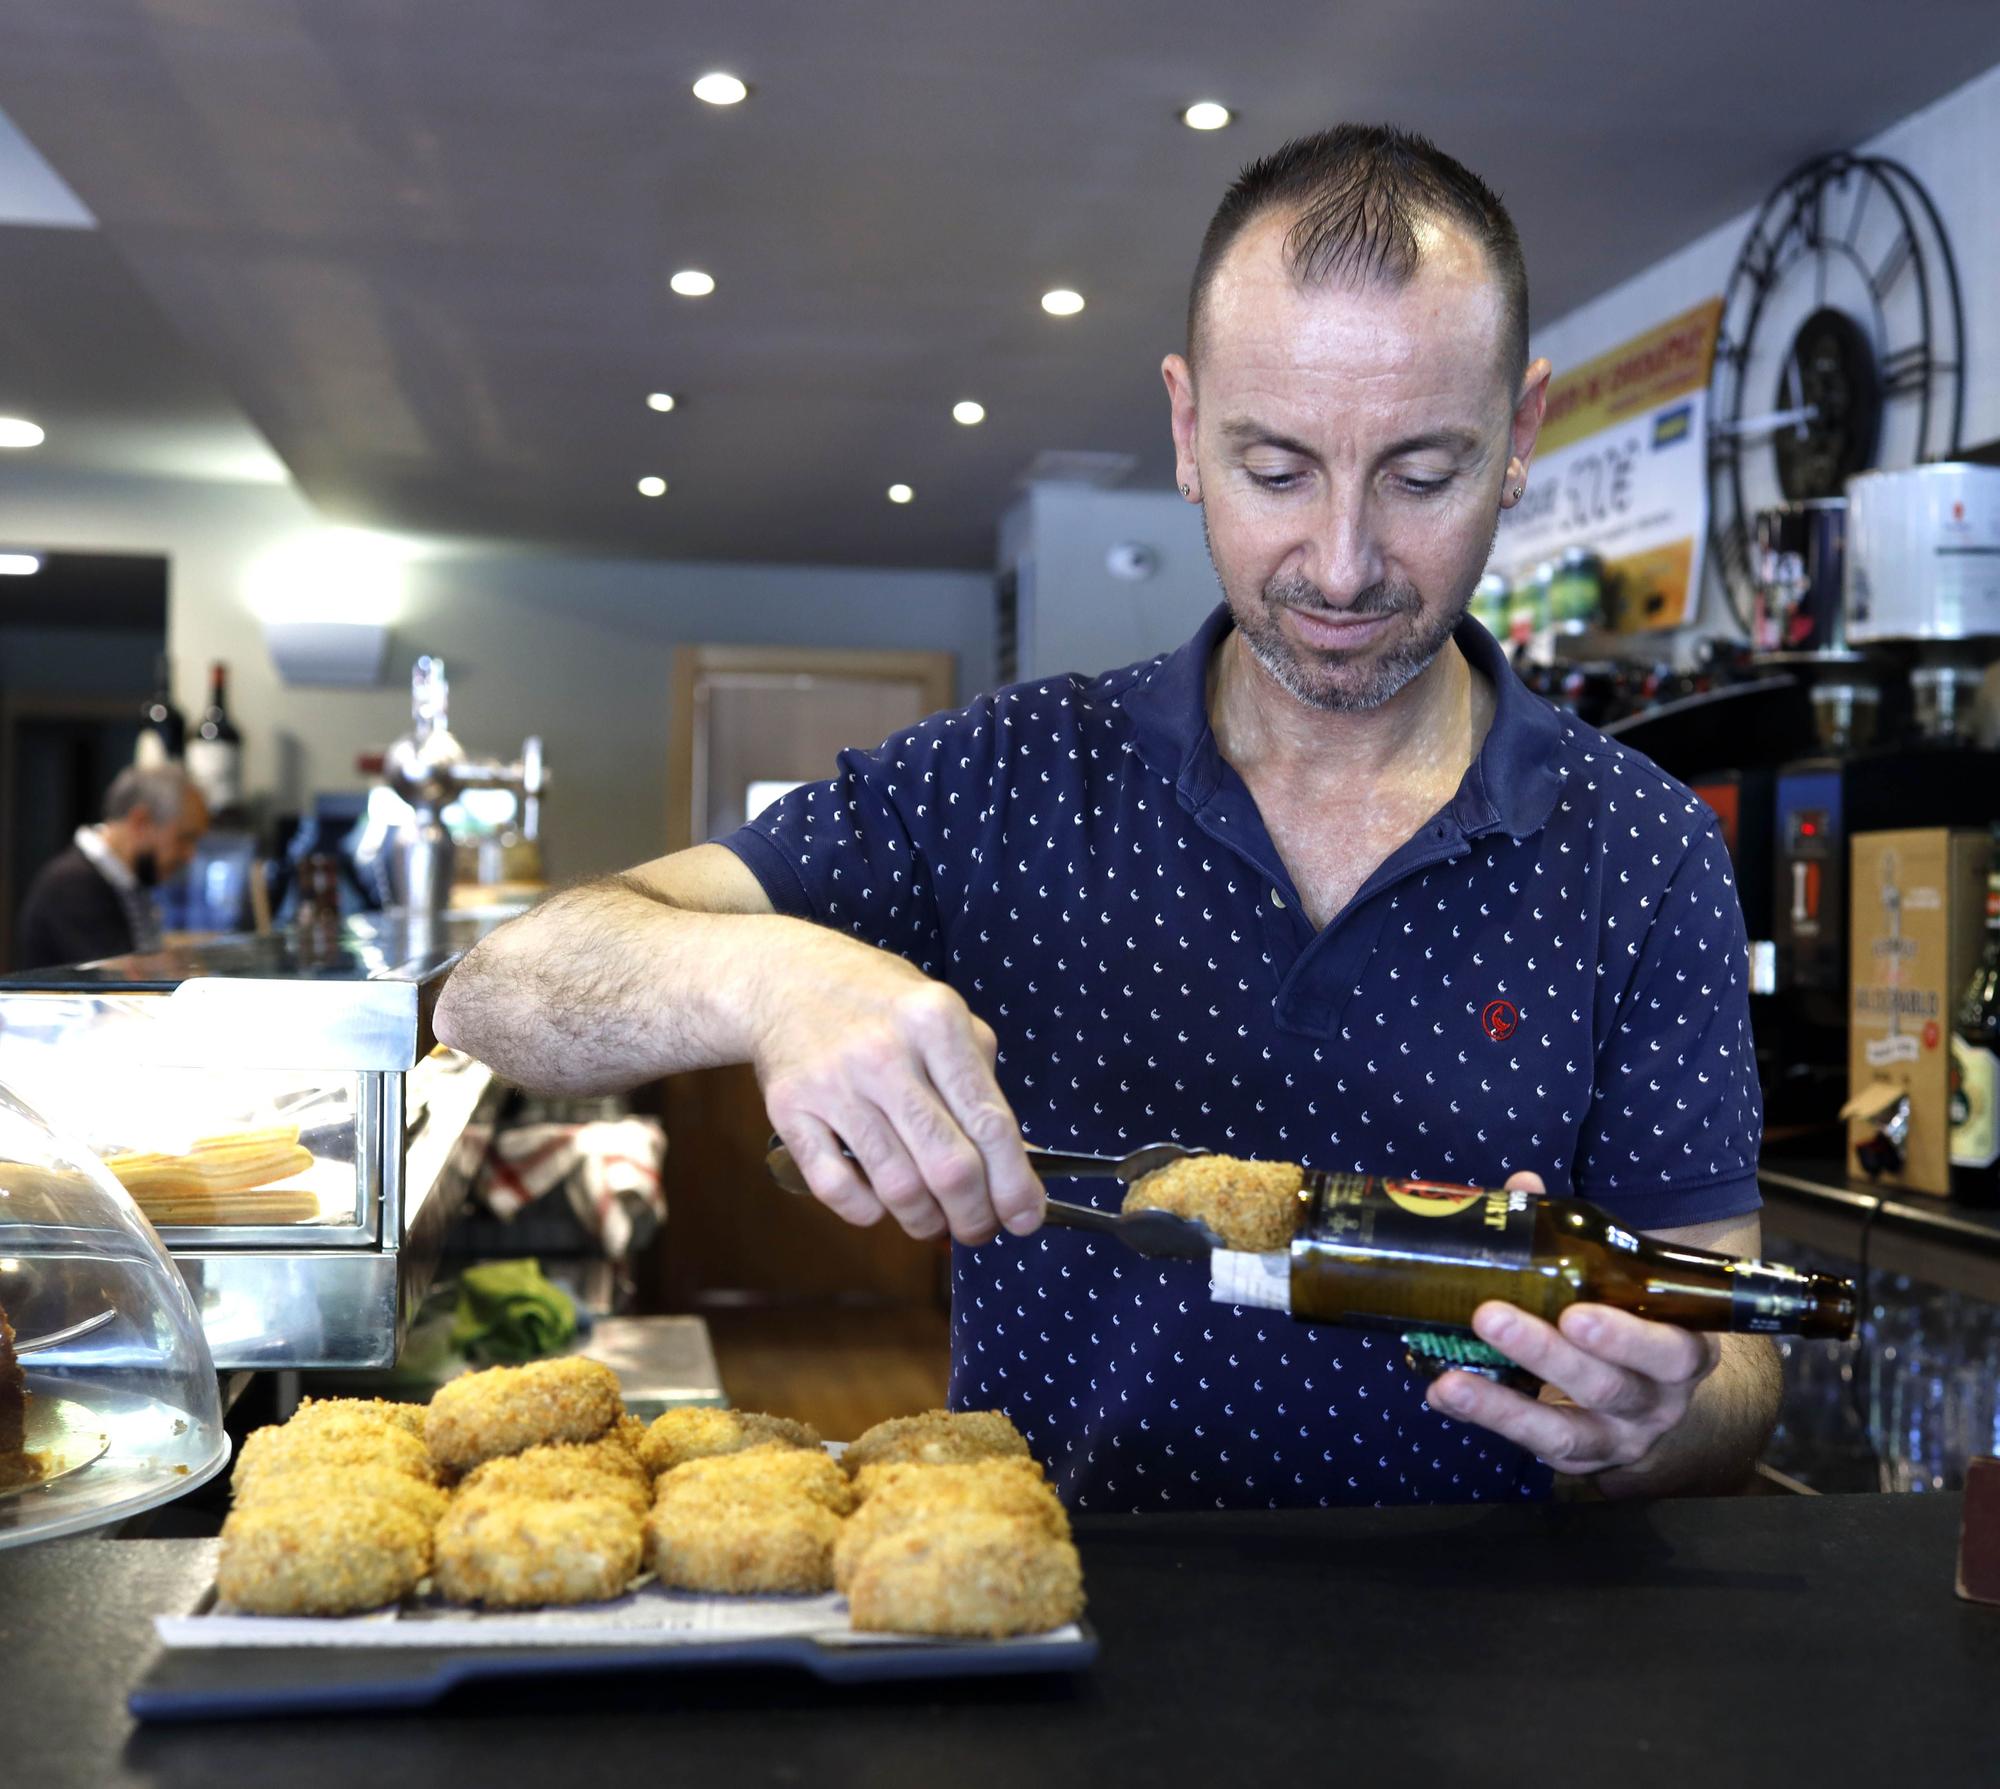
429, 770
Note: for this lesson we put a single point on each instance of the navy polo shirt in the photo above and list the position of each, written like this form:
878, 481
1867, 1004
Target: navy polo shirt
1551, 975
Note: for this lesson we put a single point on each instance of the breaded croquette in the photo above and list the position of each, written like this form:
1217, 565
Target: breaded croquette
506, 1409
290, 1481
700, 1540
967, 1573
919, 1493
695, 1432
320, 1556
512, 1552
871, 1480
314, 1411
329, 1445
760, 1475
936, 1438
1250, 1205
559, 1474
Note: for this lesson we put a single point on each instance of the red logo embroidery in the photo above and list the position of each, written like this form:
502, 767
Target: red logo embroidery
1499, 1020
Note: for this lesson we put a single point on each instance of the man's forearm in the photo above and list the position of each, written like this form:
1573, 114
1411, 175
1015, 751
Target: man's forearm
606, 986
1716, 1445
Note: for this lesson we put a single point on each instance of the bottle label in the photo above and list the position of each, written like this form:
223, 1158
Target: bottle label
1975, 1127
1440, 1222
1768, 1300
1261, 1282
216, 769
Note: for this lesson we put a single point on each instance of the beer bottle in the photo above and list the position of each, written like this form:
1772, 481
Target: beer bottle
1424, 1255
1975, 1067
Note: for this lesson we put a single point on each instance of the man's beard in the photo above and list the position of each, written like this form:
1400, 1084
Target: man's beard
1337, 681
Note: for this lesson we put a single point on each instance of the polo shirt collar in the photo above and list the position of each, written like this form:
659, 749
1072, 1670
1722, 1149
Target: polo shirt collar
1512, 785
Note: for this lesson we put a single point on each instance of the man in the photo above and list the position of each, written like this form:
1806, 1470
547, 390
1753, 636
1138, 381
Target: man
1327, 884
94, 898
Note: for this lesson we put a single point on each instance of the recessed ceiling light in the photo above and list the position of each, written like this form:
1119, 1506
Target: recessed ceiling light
19, 565
691, 282
1062, 302
18, 431
720, 89
652, 487
967, 412
1206, 114
900, 493
662, 401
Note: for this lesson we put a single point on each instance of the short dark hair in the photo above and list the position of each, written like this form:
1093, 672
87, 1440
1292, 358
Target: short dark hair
1360, 191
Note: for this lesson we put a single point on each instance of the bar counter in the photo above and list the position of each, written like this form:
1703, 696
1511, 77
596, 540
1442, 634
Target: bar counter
1758, 1640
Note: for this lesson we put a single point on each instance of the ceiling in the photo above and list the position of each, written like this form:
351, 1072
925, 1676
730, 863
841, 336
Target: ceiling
422, 250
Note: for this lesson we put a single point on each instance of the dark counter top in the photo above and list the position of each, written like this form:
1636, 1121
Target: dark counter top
1753, 1641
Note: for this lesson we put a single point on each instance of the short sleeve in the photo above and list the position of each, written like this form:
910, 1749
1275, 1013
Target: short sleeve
841, 852
1676, 1118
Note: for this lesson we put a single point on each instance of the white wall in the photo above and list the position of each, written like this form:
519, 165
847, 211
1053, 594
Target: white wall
1075, 615
575, 649
1953, 147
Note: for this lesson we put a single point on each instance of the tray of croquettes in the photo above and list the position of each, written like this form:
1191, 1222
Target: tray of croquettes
523, 1523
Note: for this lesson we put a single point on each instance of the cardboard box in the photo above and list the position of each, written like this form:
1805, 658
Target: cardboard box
1917, 911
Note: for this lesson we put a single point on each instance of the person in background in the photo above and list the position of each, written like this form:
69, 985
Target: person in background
94, 898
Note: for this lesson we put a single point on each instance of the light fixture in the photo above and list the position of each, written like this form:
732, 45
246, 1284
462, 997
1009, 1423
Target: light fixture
900, 493
967, 412
662, 401
720, 89
691, 282
19, 565
1206, 114
326, 601
18, 431
650, 486
1062, 302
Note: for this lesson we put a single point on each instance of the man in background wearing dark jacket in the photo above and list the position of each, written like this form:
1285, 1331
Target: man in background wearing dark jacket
94, 898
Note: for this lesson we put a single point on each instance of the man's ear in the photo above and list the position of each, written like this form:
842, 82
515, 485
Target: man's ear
1527, 424
1179, 377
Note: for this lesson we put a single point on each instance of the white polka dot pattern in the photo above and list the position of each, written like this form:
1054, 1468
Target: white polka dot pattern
1550, 976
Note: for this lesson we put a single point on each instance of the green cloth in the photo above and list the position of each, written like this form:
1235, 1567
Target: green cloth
510, 1311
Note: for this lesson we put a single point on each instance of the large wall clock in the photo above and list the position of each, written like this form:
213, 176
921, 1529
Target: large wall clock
1841, 348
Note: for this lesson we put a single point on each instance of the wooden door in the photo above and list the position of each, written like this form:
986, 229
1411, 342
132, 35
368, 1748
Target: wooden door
748, 722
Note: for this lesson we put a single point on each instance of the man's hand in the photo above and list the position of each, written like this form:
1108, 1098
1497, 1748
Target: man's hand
859, 1052
1618, 1395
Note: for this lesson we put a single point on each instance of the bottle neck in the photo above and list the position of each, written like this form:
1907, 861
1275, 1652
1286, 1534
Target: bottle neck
218, 688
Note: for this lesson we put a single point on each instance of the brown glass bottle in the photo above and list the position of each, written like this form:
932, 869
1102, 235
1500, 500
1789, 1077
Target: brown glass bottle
1421, 1252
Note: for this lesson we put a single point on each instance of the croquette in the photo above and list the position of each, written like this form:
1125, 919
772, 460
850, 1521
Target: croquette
320, 1556
695, 1432
966, 1573
328, 1446
761, 1474
564, 1473
870, 1480
313, 1412
1252, 1206
504, 1410
936, 1438
702, 1540
512, 1552
290, 1481
919, 1494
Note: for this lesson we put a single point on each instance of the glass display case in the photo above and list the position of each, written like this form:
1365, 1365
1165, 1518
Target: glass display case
278, 1109
108, 1396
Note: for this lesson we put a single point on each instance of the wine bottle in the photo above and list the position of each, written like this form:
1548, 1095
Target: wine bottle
1975, 1067
215, 751
1422, 1254
162, 731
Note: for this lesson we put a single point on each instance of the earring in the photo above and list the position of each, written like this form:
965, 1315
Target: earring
1184, 491
1518, 489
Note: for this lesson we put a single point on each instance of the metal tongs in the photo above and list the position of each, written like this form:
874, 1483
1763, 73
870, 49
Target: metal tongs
1158, 1234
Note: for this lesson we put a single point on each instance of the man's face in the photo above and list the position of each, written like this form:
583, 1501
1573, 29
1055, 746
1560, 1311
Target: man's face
169, 849
1351, 444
